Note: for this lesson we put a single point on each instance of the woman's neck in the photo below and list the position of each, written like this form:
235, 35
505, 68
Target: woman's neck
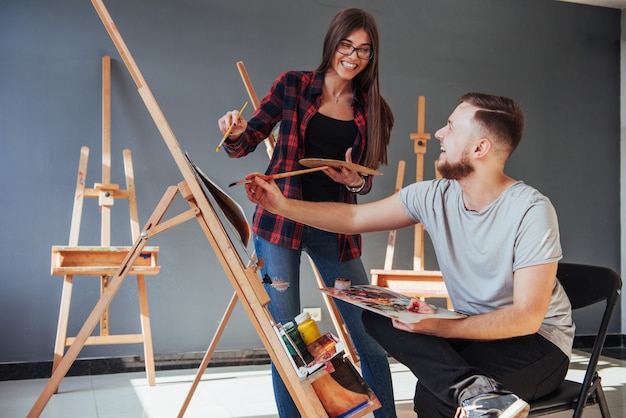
335, 87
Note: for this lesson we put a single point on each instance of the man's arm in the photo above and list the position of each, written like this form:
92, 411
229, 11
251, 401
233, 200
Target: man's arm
532, 290
383, 215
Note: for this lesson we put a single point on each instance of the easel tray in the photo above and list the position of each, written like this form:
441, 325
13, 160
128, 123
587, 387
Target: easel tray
99, 261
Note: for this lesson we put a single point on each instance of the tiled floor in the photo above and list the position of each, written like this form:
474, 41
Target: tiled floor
223, 392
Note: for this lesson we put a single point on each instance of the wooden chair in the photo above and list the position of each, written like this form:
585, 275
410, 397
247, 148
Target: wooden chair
585, 285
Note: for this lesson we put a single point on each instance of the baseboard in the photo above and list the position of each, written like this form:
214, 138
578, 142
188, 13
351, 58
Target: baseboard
612, 340
98, 366
615, 346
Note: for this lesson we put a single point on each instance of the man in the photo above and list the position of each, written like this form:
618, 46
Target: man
497, 245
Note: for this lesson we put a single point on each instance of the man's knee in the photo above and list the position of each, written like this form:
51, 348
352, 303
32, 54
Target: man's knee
369, 321
376, 325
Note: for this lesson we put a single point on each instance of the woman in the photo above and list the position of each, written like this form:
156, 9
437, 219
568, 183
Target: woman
333, 112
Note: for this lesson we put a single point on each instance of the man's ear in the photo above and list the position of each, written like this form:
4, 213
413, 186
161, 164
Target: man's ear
482, 147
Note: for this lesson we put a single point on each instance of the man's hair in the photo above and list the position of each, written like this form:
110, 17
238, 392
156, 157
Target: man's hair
499, 116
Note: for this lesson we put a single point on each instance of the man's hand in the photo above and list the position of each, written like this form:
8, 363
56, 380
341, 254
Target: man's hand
263, 191
419, 306
425, 326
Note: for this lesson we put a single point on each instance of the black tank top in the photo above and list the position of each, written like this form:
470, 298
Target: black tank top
326, 138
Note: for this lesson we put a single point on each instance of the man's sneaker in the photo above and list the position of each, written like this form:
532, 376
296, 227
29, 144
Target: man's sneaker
493, 405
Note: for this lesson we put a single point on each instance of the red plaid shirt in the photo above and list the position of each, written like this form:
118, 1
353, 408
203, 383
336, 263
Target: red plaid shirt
293, 99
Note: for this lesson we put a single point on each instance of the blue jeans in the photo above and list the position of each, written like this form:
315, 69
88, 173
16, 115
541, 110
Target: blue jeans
282, 265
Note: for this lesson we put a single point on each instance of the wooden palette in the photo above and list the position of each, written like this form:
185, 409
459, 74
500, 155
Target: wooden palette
318, 162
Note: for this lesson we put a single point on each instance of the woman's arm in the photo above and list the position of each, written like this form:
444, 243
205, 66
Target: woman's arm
245, 135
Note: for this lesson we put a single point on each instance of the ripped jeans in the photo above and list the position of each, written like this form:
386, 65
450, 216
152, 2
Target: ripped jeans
282, 265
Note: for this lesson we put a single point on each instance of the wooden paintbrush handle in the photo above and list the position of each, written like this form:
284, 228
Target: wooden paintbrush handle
298, 172
283, 175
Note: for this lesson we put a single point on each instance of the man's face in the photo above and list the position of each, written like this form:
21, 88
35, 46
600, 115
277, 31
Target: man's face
454, 161
458, 170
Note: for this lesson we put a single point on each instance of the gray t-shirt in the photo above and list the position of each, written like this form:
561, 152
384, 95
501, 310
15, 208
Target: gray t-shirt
478, 252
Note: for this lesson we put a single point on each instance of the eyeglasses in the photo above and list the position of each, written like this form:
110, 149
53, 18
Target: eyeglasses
347, 49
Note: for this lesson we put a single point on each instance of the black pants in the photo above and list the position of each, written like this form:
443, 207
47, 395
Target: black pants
450, 370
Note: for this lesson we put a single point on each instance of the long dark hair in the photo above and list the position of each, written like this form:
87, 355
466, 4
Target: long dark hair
379, 115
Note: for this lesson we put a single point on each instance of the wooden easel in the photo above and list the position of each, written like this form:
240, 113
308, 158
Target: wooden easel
335, 316
391, 241
270, 142
244, 280
103, 260
417, 282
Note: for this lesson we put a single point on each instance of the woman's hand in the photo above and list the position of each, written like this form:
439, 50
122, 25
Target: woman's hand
232, 118
344, 175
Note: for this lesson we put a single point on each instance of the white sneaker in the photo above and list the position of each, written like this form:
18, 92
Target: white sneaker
493, 405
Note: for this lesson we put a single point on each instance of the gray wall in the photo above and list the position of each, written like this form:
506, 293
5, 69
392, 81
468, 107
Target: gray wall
559, 60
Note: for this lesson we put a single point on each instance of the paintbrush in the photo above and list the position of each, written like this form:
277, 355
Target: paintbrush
283, 175
230, 128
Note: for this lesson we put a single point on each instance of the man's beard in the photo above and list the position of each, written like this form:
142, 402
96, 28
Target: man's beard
456, 171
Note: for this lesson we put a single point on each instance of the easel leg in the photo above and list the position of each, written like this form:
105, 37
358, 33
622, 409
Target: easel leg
64, 313
336, 318
146, 331
209, 352
104, 319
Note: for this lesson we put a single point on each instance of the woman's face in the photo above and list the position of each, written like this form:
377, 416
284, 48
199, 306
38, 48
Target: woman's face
352, 54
